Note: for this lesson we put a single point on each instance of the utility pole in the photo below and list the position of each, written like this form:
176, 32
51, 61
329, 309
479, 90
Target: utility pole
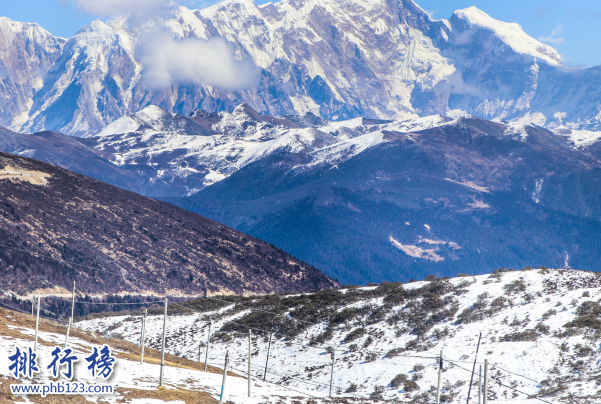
224, 376
332, 371
73, 301
143, 336
199, 346
71, 319
474, 369
439, 378
480, 386
485, 389
249, 354
37, 326
163, 344
67, 335
267, 360
208, 342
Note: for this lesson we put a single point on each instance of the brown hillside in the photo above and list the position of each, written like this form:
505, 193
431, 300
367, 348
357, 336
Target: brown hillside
128, 242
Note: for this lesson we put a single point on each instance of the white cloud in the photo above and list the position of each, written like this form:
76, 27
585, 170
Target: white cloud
430, 13
555, 36
169, 61
458, 86
113, 8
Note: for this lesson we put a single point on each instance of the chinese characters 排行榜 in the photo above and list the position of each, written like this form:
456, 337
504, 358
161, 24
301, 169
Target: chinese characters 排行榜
100, 363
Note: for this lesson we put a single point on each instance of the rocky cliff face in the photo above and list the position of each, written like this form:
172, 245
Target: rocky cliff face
338, 59
27, 52
58, 227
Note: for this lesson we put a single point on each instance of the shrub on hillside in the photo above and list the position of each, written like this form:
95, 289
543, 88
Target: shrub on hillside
587, 316
542, 328
528, 335
371, 357
515, 287
418, 368
398, 381
353, 335
583, 351
394, 352
549, 313
377, 393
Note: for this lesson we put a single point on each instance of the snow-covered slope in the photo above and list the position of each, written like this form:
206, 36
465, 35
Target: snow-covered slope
510, 33
179, 155
134, 382
336, 58
539, 335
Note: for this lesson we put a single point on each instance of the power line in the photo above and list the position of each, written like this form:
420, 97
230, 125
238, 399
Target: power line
303, 345
217, 299
83, 266
494, 366
149, 282
84, 302
285, 387
501, 384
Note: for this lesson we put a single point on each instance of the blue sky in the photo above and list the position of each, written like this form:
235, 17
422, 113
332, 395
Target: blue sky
573, 27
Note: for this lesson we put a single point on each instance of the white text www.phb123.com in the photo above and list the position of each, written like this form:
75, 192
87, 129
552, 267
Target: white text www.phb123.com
61, 388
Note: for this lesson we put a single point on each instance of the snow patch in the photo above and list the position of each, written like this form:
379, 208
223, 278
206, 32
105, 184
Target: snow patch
511, 34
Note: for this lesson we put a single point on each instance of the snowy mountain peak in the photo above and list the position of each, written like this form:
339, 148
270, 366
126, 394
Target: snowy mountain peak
339, 59
510, 33
152, 119
95, 26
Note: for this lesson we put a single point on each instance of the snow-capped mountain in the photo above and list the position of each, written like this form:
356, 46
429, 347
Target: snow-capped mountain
27, 52
539, 330
338, 59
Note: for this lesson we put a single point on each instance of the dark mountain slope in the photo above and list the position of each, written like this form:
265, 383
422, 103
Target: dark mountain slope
464, 197
67, 152
156, 247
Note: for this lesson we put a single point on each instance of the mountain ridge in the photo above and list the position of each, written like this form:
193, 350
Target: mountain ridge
343, 59
365, 199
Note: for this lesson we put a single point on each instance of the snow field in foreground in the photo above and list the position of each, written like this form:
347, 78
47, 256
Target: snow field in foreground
521, 351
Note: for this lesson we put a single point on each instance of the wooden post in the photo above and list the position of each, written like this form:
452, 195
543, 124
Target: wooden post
469, 391
249, 354
439, 378
224, 377
143, 336
332, 371
37, 326
267, 360
67, 335
480, 386
163, 344
485, 389
73, 301
208, 342
71, 319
